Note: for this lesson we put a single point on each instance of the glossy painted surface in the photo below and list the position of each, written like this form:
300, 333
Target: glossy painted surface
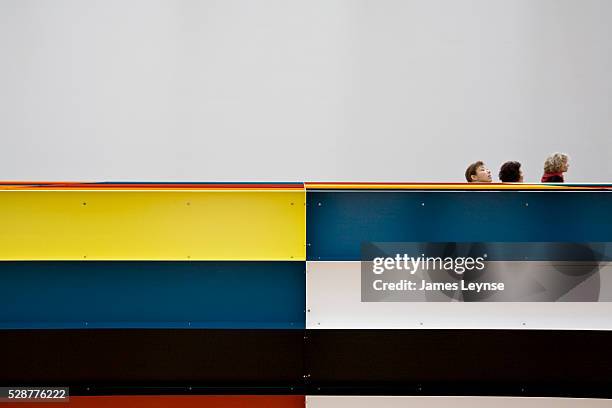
333, 301
147, 361
338, 222
460, 362
176, 401
149, 224
137, 294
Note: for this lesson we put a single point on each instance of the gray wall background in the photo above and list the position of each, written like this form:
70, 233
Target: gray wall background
396, 90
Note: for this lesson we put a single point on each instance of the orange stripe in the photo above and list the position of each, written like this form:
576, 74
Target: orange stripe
22, 185
448, 186
152, 186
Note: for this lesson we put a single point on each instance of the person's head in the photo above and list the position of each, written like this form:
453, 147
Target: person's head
510, 172
478, 173
556, 163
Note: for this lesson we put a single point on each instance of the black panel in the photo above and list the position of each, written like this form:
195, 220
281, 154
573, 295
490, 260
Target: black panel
382, 362
98, 358
460, 362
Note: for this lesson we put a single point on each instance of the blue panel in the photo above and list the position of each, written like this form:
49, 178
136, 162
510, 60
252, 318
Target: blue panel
339, 221
90, 294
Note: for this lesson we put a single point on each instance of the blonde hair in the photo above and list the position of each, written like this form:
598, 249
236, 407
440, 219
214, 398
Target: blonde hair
555, 162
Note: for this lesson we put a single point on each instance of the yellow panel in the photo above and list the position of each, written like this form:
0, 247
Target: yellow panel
153, 225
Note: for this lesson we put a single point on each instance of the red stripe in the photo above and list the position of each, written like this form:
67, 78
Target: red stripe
154, 186
178, 401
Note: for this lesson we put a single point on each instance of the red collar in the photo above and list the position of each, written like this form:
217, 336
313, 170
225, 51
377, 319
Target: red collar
556, 177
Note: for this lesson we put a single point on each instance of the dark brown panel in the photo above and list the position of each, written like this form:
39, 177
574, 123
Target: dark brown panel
460, 362
153, 358
384, 362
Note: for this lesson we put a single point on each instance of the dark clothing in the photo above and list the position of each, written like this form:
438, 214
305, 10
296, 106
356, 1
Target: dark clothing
552, 178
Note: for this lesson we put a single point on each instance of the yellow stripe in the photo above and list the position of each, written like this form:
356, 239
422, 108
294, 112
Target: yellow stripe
152, 225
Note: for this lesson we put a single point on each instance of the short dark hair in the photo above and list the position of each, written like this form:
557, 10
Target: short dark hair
510, 172
471, 170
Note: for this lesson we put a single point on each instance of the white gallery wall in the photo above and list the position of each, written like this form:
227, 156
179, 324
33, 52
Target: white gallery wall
396, 90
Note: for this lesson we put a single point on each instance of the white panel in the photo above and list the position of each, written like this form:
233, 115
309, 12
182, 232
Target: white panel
452, 402
333, 301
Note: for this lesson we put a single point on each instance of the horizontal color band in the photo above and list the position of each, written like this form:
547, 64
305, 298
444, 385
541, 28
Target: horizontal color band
137, 294
124, 185
333, 301
152, 225
460, 362
452, 186
167, 401
127, 185
220, 359
344, 362
321, 401
339, 222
